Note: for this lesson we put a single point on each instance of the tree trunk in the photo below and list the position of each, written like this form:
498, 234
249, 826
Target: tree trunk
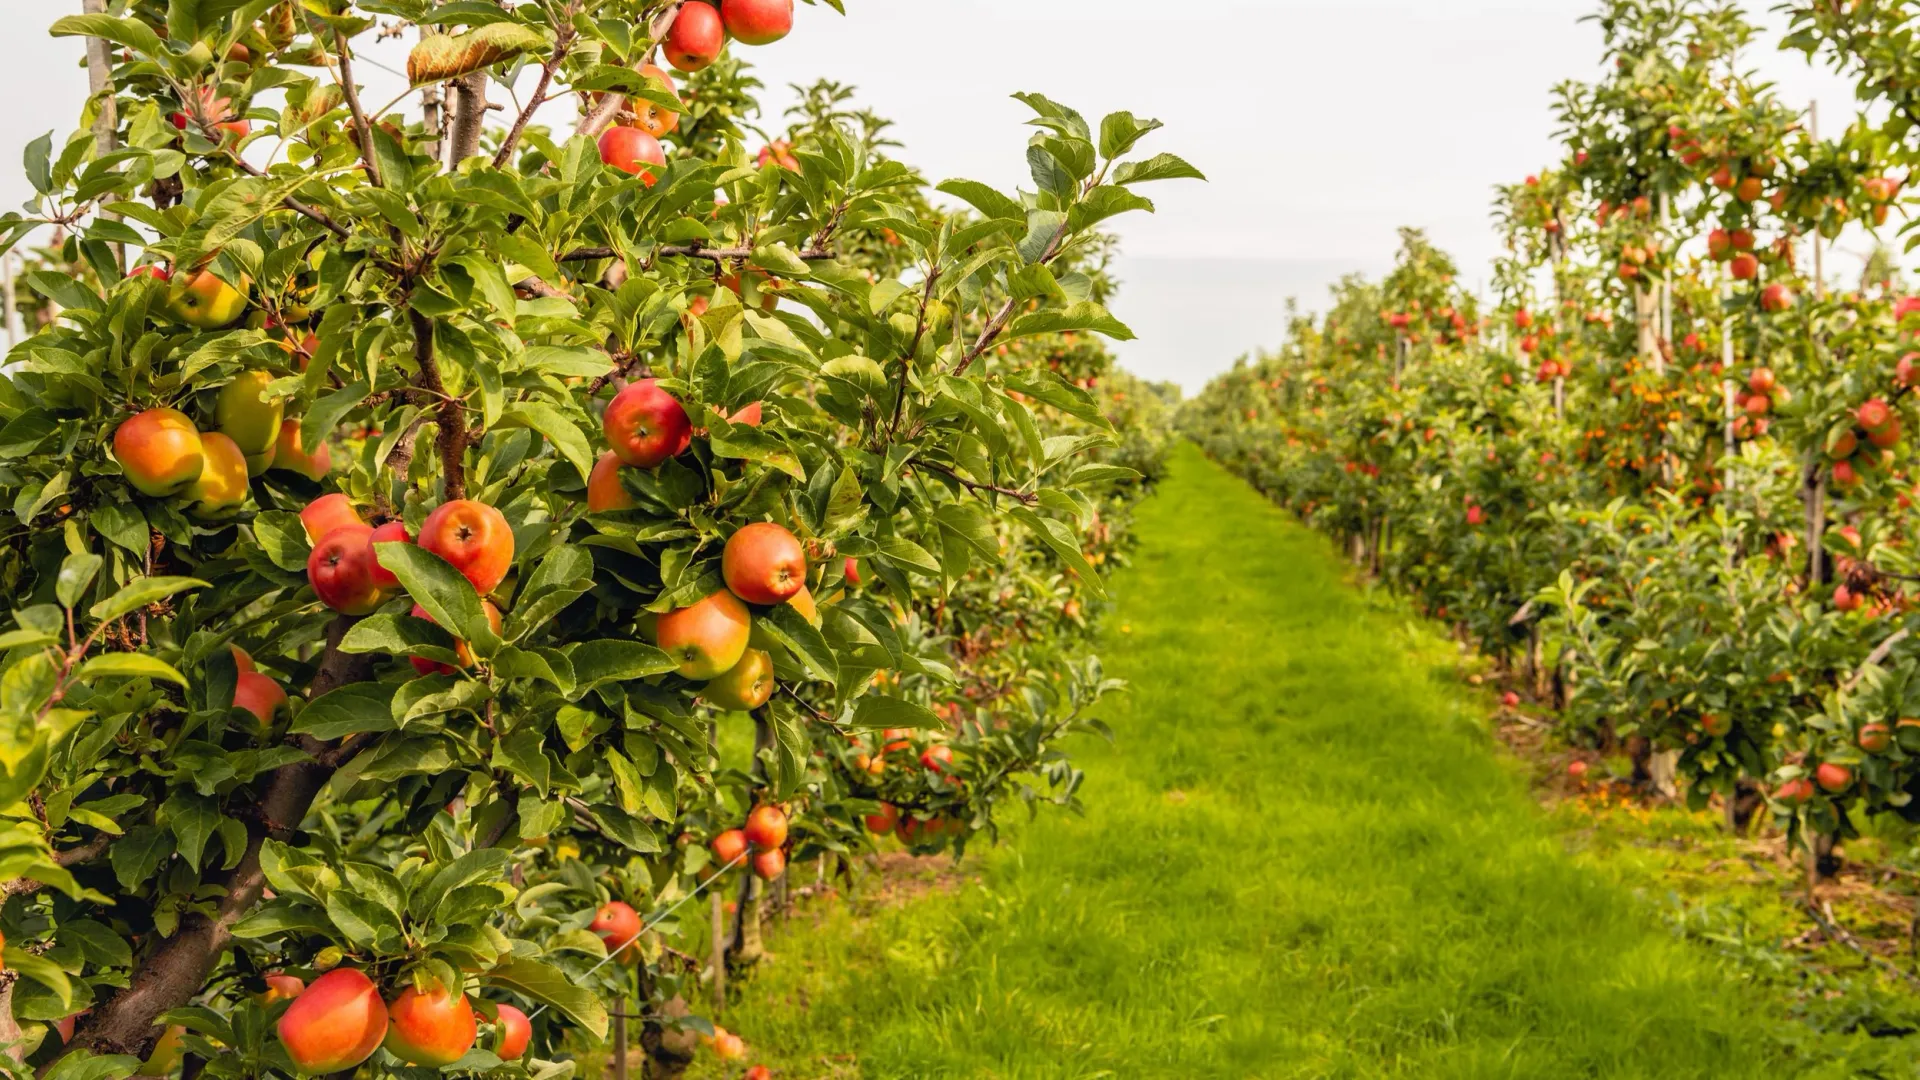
469, 101
1746, 801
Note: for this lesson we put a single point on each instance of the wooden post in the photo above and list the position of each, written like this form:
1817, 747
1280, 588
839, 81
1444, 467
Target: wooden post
620, 1043
1666, 279
1728, 395
1819, 265
106, 120
717, 902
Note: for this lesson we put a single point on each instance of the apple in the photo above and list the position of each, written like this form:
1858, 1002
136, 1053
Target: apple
1845, 599
1716, 725
758, 1072
695, 38
221, 487
1875, 738
434, 1029
327, 513
604, 490
763, 564
1744, 267
335, 1024
1761, 380
1874, 414
777, 153
1510, 699
1834, 778
243, 414
1475, 515
474, 538
202, 300
767, 827
884, 822
851, 568
516, 1031
616, 923
749, 415
1749, 189
281, 987
340, 568
768, 865
242, 662
392, 532
656, 120
937, 759
728, 847
217, 109
633, 152
709, 637
726, 1045
1719, 245
258, 695
1887, 435
460, 649
803, 602
288, 457
1577, 770
1742, 239
150, 270
1776, 298
757, 22
1905, 369
1758, 405
644, 424
745, 686
160, 451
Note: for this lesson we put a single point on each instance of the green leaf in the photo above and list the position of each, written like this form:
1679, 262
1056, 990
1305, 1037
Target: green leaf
1055, 534
1085, 315
877, 711
131, 33
786, 625
283, 538
136, 856
560, 431
123, 524
140, 592
1121, 130
471, 867
325, 414
129, 666
76, 573
984, 199
612, 660
444, 592
1158, 167
348, 710
908, 553
551, 986
40, 970
400, 635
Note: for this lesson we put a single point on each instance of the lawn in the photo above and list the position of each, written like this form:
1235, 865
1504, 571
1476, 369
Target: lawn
1303, 857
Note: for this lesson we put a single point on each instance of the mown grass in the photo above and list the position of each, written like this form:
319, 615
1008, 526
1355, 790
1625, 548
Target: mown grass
1303, 858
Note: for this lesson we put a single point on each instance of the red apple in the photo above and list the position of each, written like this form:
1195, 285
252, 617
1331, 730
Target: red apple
434, 1029
335, 1024
390, 533
327, 513
757, 22
728, 847
433, 667
1875, 738
1834, 778
634, 152
604, 490
644, 424
616, 923
766, 827
259, 695
696, 37
763, 564
516, 1031
474, 538
340, 568
160, 451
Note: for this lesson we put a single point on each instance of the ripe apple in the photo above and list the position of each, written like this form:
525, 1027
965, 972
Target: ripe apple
243, 414
633, 152
884, 822
696, 37
766, 827
768, 865
288, 456
242, 662
604, 490
258, 695
656, 120
757, 22
763, 564
1834, 778
1749, 189
778, 153
434, 1029
617, 924
1761, 380
160, 451
758, 1072
1744, 266
474, 538
1577, 770
745, 686
202, 300
749, 415
392, 532
1716, 725
150, 270
1875, 738
217, 109
726, 1045
1794, 792
327, 513
851, 568
1845, 599
460, 649
335, 1024
281, 987
803, 602
1510, 699
340, 568
221, 487
1887, 435
1758, 405
1719, 245
937, 759
1776, 298
1874, 414
644, 424
516, 1031
728, 847
709, 637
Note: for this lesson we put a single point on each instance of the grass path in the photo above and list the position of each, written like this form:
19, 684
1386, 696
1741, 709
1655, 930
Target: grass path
1302, 858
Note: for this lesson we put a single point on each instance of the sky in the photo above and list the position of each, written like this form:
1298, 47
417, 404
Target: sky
1323, 127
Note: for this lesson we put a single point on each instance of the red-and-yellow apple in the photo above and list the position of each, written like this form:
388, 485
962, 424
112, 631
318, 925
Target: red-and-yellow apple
763, 564
656, 120
617, 924
604, 490
259, 695
288, 457
745, 686
221, 487
766, 827
160, 451
335, 1024
242, 413
516, 1031
327, 513
757, 22
202, 300
340, 568
460, 648
474, 538
708, 637
728, 847
434, 1029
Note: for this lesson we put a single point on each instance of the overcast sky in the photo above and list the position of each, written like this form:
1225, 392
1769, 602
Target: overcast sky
1323, 126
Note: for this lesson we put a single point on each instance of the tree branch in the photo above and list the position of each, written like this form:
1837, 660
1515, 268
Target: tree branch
563, 44
602, 114
469, 116
1026, 498
73, 856
363, 132
690, 251
449, 415
178, 967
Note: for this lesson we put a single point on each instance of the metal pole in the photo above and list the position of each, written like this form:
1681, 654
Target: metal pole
1819, 264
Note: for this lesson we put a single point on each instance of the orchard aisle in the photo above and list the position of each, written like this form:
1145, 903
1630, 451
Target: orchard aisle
1301, 859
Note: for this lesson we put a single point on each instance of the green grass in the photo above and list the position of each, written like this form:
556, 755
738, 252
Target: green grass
1302, 858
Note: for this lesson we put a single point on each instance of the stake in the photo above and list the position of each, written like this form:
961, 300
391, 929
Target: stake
1819, 267
1727, 394
718, 906
620, 1042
